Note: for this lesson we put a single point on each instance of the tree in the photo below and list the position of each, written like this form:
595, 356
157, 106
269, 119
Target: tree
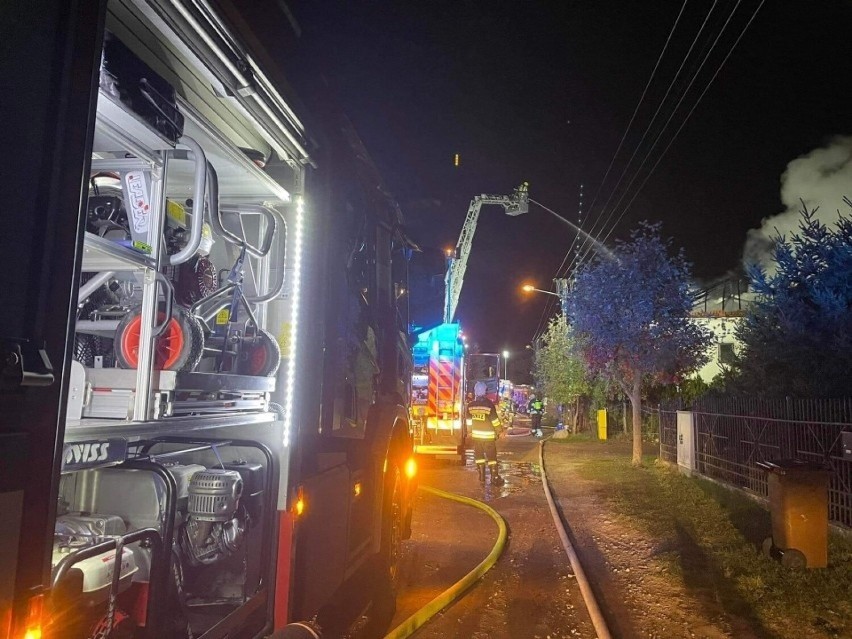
631, 312
559, 372
797, 336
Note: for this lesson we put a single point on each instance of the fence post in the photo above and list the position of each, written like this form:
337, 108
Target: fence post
685, 443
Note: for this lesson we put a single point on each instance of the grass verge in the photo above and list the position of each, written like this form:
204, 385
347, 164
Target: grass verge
709, 538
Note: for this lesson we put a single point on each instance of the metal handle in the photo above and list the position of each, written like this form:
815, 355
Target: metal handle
199, 188
219, 225
93, 284
168, 294
278, 288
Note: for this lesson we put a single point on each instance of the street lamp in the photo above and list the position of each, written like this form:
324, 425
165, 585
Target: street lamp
505, 364
529, 288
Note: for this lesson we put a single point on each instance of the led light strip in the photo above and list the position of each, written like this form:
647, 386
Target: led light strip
294, 320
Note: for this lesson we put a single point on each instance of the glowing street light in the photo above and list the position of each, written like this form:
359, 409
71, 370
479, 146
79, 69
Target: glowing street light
529, 288
505, 364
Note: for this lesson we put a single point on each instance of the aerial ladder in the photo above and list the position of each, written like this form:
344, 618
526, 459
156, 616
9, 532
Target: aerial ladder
439, 360
516, 204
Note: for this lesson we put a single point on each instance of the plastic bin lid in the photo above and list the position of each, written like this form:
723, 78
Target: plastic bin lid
786, 466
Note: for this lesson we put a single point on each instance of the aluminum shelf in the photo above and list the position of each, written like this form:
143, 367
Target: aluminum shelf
224, 382
100, 254
86, 429
118, 131
241, 181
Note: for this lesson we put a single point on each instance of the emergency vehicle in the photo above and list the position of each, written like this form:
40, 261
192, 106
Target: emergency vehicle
437, 392
438, 384
203, 382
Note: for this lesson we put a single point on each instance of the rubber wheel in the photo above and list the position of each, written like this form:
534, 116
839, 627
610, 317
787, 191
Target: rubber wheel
196, 336
172, 349
792, 558
260, 356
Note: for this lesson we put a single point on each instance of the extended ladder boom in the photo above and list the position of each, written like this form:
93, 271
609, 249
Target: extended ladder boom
515, 204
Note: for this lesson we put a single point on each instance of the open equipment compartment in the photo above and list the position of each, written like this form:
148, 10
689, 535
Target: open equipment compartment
187, 289
165, 288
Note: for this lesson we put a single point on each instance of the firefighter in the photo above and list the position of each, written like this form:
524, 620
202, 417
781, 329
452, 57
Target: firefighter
536, 410
483, 421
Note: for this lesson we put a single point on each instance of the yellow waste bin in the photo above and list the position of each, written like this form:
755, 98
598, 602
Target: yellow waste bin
602, 423
798, 504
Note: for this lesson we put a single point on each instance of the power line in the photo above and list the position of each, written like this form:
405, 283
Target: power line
653, 120
548, 307
677, 106
636, 109
688, 115
683, 122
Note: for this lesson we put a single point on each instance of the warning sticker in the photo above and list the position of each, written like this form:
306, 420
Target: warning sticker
223, 316
139, 201
284, 340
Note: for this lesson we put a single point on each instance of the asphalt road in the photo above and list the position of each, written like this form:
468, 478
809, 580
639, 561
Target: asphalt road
529, 593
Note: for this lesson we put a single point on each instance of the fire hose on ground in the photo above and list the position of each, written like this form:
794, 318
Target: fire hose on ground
592, 606
407, 627
439, 603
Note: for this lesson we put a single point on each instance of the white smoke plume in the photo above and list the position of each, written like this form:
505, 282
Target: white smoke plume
820, 178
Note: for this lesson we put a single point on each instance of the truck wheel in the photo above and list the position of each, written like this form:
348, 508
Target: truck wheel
173, 348
260, 356
392, 527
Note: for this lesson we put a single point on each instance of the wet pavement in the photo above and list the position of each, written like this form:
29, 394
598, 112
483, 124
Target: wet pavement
530, 592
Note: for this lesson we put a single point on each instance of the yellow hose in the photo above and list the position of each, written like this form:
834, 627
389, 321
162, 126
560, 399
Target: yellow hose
407, 627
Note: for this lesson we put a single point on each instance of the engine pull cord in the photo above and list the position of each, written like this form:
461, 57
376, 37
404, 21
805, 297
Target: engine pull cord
216, 452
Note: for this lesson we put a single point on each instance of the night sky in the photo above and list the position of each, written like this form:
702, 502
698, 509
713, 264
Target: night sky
543, 91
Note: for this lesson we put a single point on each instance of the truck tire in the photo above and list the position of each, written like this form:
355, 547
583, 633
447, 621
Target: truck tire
174, 348
392, 527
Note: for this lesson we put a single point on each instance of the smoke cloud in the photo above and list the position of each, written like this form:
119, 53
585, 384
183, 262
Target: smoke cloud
820, 178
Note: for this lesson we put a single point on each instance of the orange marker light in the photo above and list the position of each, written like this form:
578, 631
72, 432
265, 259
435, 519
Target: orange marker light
35, 607
357, 488
299, 506
411, 468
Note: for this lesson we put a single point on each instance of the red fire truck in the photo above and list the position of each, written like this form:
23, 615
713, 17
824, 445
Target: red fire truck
204, 429
437, 404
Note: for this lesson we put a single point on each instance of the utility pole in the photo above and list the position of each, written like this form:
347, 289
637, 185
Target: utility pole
579, 228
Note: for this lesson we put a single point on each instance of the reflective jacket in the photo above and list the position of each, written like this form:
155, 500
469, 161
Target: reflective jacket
482, 419
536, 407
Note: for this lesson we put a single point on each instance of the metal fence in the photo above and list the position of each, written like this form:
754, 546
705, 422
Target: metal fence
732, 435
668, 434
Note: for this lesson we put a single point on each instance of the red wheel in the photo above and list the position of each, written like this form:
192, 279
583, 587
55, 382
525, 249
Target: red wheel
172, 349
259, 356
